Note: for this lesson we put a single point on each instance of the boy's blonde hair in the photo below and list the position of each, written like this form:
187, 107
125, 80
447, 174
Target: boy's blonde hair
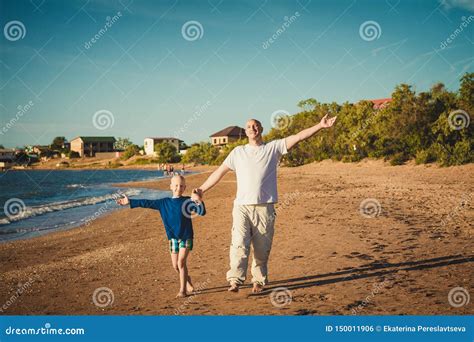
180, 177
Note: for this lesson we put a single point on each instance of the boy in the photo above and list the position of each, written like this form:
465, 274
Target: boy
176, 214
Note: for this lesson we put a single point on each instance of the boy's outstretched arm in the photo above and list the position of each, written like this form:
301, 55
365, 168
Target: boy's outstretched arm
135, 203
325, 122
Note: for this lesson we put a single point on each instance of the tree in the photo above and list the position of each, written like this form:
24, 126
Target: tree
308, 104
58, 143
166, 153
130, 151
21, 158
466, 93
122, 143
412, 125
201, 153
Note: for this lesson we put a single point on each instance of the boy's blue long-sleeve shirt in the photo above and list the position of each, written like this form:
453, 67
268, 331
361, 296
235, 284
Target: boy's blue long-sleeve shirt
176, 214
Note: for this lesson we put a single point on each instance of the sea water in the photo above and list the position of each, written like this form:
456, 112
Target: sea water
36, 202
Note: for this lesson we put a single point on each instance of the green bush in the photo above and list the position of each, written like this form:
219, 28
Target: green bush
412, 126
201, 153
425, 156
113, 165
462, 153
73, 154
399, 159
167, 153
144, 161
129, 152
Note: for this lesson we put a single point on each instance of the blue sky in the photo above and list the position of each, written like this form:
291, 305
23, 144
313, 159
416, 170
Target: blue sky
151, 81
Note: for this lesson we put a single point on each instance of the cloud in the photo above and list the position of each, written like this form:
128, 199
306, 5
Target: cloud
461, 4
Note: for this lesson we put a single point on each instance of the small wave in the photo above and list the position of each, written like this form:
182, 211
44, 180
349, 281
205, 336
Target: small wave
75, 186
57, 206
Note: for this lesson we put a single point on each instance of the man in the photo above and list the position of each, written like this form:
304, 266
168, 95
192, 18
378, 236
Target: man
255, 165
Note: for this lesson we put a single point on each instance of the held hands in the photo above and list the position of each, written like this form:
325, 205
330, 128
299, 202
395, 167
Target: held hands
196, 195
327, 122
123, 201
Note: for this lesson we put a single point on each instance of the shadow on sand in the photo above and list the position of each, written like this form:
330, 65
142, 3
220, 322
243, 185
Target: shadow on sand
374, 269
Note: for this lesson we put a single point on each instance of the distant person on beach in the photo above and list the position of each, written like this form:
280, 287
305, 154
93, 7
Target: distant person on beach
176, 213
255, 165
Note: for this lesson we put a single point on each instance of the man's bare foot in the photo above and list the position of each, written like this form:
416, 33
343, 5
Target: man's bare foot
234, 287
257, 288
181, 294
189, 286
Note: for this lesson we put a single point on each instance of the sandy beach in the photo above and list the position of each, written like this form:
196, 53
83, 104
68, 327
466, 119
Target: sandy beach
327, 256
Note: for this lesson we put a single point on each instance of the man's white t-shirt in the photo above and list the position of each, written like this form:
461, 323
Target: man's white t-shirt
256, 171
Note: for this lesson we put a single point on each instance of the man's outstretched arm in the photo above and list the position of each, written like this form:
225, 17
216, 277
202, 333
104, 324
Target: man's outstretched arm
325, 122
214, 178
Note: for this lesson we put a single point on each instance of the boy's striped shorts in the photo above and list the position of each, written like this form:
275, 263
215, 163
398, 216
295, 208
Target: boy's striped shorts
176, 244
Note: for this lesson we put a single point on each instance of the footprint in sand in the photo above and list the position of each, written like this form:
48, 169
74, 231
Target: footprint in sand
304, 312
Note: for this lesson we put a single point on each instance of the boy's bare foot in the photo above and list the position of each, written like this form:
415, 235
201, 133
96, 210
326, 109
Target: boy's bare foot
257, 288
234, 287
189, 286
181, 294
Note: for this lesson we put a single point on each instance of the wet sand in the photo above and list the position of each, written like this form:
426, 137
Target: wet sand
327, 256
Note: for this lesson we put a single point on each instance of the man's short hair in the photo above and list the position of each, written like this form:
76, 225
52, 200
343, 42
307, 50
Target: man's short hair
257, 121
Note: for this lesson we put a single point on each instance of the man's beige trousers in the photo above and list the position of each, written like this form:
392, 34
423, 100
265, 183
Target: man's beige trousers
252, 225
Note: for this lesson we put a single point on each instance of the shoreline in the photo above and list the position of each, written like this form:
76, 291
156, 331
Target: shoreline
36, 233
145, 167
325, 253
155, 166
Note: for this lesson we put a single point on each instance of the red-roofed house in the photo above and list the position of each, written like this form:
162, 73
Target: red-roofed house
227, 135
380, 103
